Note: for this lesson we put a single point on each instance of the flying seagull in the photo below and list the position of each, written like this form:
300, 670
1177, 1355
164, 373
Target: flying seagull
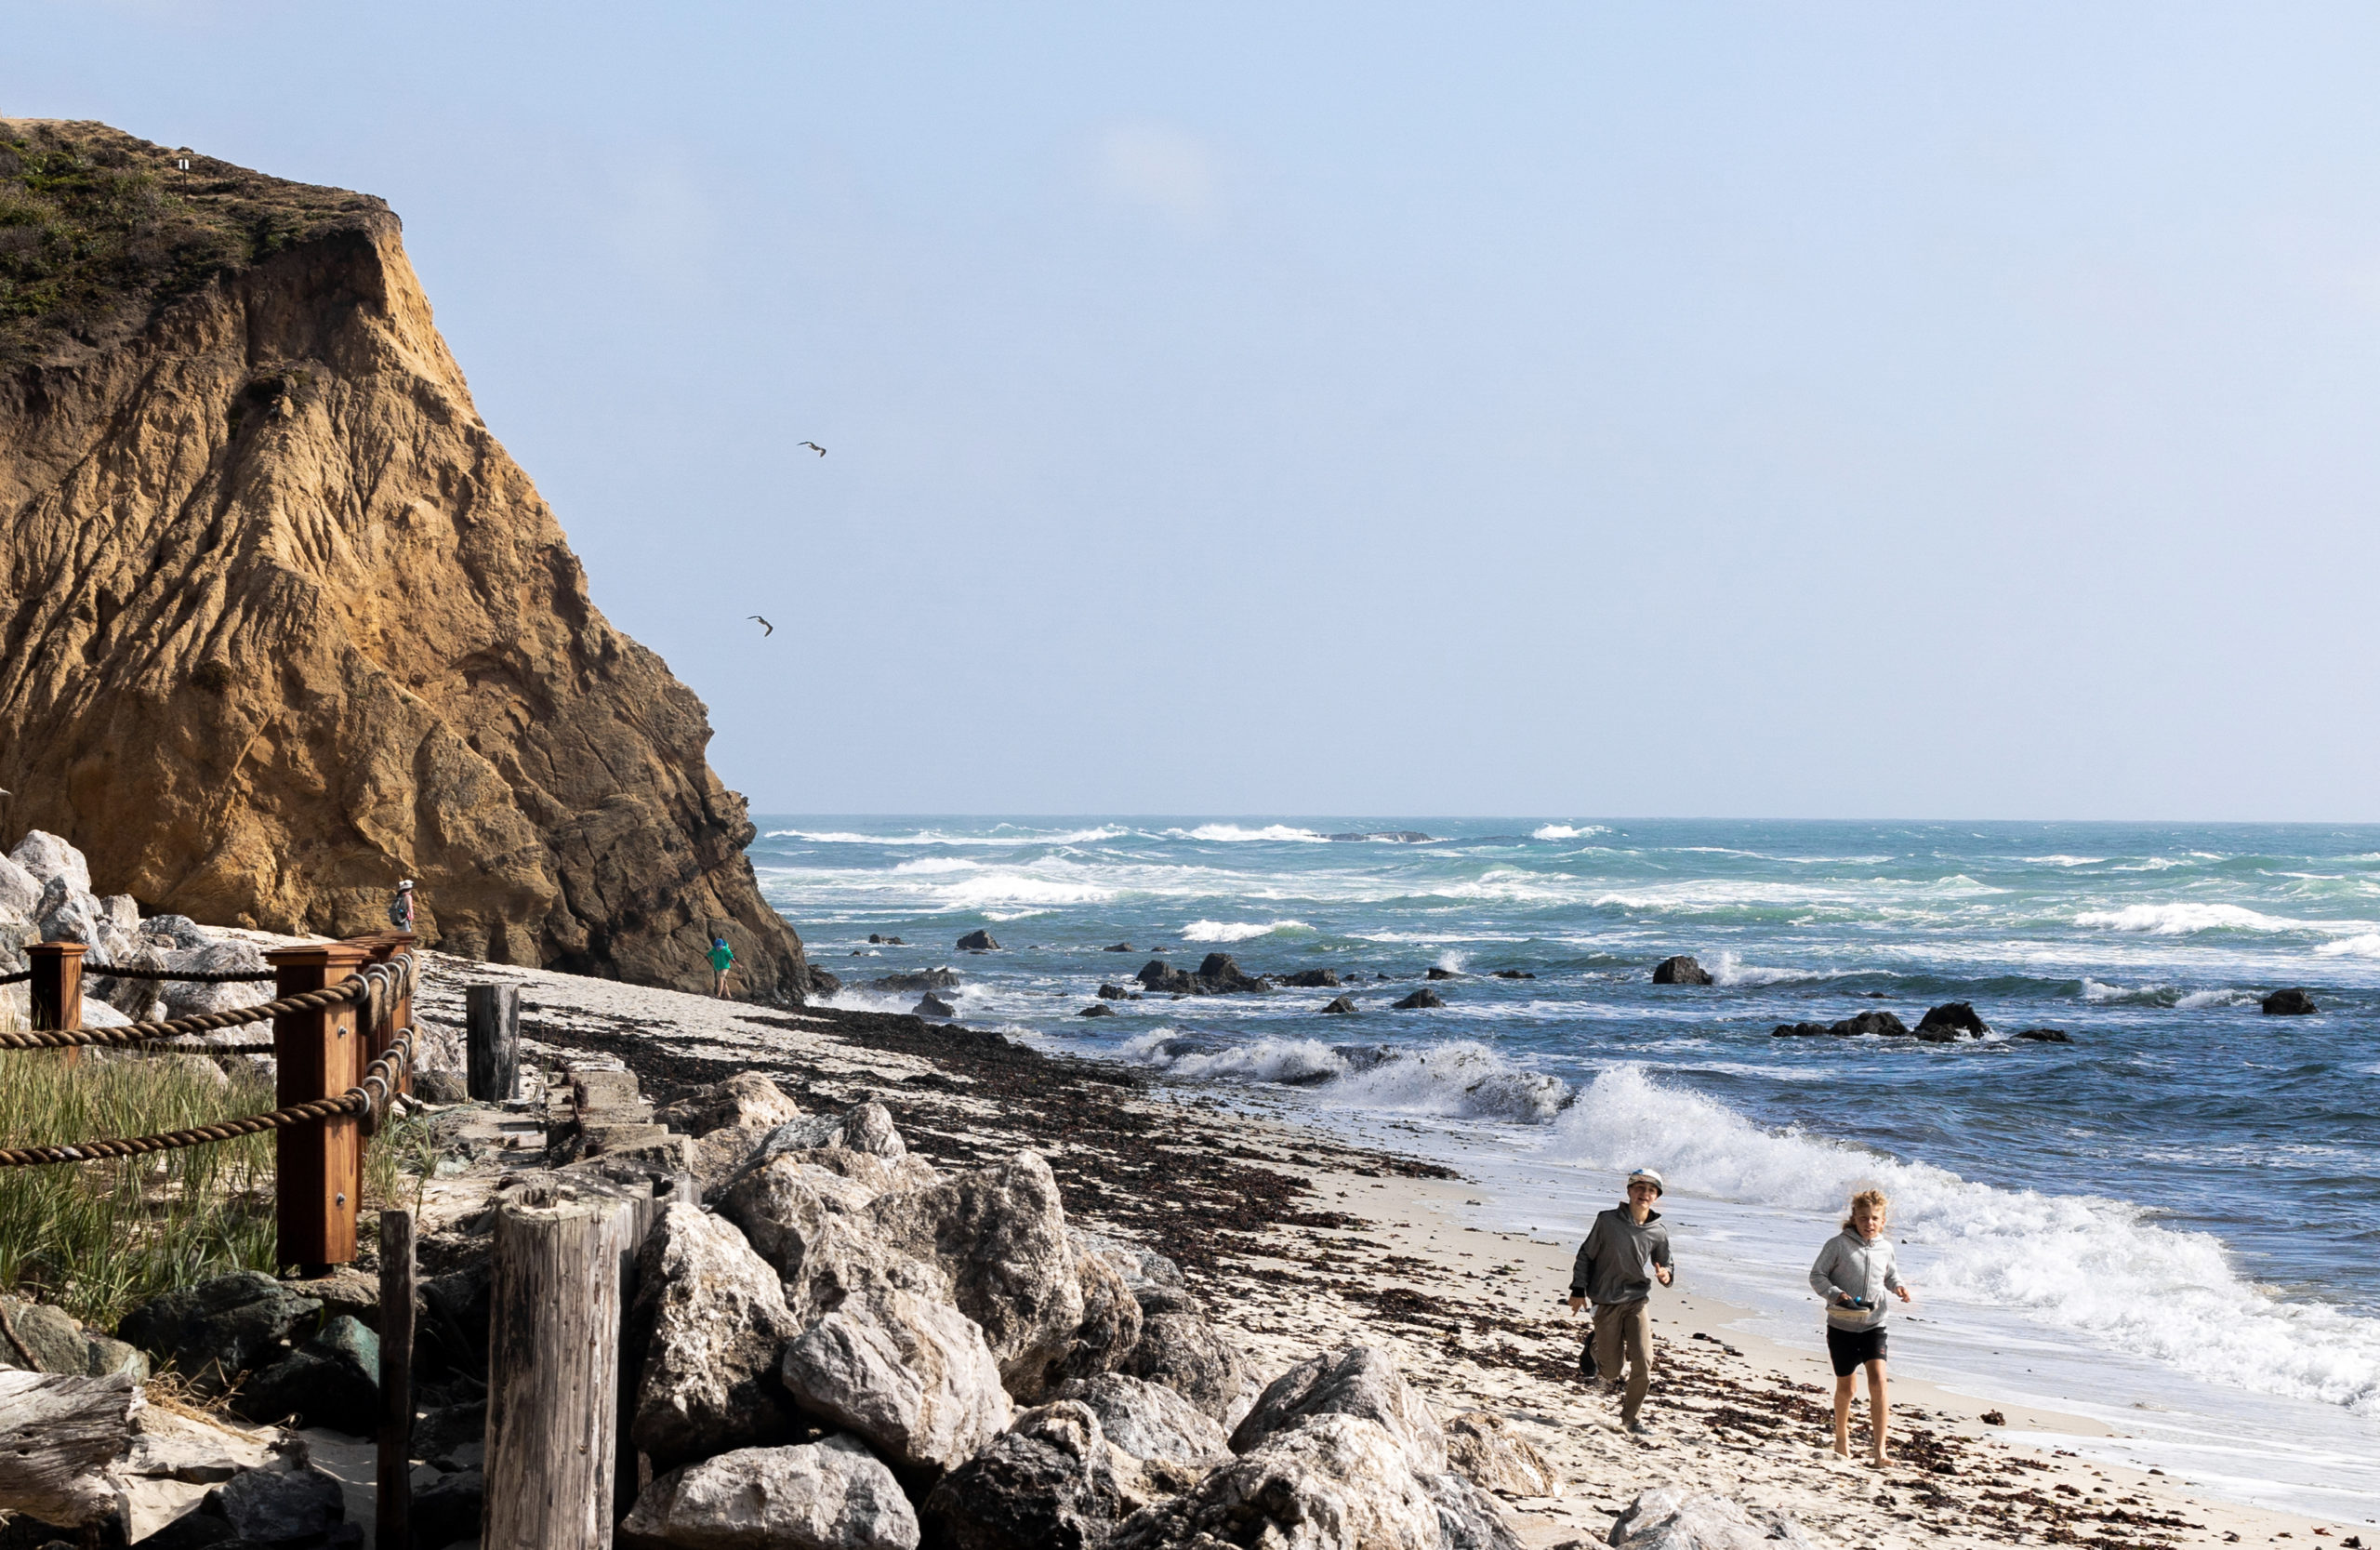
766, 627
815, 447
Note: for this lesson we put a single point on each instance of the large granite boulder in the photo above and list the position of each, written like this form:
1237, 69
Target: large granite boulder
999, 1234
1333, 1482
65, 913
1354, 1380
1180, 1348
59, 1345
44, 857
1669, 1519
1488, 1452
1153, 1423
1051, 1482
908, 1373
827, 1495
19, 890
710, 1316
745, 1100
1680, 970
273, 1506
1110, 1327
220, 1327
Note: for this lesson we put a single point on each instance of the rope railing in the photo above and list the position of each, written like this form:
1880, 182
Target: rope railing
372, 987
185, 976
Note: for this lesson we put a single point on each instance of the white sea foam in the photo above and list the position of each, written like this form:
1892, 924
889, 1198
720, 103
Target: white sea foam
2098, 1268
1236, 931
2062, 860
2198, 999
1730, 970
2182, 919
2365, 944
1567, 832
1003, 834
1460, 1079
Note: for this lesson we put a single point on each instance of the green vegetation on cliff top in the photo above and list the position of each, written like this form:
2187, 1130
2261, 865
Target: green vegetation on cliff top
99, 230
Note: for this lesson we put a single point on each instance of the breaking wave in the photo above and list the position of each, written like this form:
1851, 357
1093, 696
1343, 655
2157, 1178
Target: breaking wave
1460, 1079
1236, 931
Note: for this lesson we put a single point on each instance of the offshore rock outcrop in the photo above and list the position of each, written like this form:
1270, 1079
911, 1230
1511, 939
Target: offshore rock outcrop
283, 621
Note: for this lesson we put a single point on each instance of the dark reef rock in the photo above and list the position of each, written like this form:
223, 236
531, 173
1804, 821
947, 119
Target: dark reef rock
1340, 1006
978, 942
2045, 1036
1119, 947
1951, 1020
1433, 972
1311, 979
1882, 1025
2289, 1003
1097, 1009
932, 1005
921, 979
1420, 1000
1112, 992
1680, 970
1513, 974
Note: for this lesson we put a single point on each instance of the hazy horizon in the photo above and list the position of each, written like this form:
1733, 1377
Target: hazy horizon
1727, 411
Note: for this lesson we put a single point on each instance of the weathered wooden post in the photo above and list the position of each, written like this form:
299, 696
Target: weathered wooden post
316, 1054
553, 1366
57, 987
386, 948
393, 1517
492, 1036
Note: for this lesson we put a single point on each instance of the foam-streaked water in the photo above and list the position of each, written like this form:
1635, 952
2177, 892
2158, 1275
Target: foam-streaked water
2191, 1191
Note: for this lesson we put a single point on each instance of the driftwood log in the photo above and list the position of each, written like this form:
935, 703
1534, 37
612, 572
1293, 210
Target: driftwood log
491, 1041
554, 1363
58, 1434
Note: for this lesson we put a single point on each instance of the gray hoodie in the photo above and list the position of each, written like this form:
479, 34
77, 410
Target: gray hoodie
1615, 1264
1851, 1265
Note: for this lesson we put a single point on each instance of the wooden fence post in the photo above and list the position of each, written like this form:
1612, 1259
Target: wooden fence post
316, 1054
57, 985
393, 1504
553, 1366
385, 948
492, 1037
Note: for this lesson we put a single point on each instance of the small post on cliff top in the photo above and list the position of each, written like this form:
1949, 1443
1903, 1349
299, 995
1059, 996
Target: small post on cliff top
316, 1054
492, 1040
56, 991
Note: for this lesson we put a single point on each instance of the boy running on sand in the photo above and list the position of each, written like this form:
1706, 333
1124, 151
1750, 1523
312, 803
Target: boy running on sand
1626, 1250
1853, 1272
722, 957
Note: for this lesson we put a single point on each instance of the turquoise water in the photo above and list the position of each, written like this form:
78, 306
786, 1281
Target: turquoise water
2189, 1186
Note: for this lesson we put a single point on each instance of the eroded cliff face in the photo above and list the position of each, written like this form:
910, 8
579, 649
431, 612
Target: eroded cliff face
284, 623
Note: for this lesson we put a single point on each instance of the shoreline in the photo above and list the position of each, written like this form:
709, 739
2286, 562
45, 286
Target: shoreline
1315, 1240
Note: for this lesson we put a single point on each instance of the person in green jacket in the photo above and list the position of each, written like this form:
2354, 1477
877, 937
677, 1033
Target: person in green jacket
722, 957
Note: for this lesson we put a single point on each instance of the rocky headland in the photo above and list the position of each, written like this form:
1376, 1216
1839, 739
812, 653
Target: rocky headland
283, 622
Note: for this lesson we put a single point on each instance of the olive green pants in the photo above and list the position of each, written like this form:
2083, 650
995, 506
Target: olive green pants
1625, 1328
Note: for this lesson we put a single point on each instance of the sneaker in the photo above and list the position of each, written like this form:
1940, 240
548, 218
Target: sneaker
1638, 1428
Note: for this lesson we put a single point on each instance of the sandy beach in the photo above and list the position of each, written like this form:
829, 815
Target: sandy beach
1303, 1243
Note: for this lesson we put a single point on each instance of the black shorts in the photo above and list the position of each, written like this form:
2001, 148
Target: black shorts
1853, 1349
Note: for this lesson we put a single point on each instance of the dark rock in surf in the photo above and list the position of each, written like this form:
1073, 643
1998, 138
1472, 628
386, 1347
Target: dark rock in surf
1513, 974
1420, 1000
1097, 1009
1219, 975
932, 1005
978, 942
921, 979
1113, 992
1119, 947
1340, 1006
1166, 977
1951, 1021
1680, 970
1882, 1025
1311, 979
1798, 1031
1433, 972
2045, 1036
2289, 1003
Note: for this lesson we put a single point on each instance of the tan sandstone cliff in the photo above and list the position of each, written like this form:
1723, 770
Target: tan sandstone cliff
285, 624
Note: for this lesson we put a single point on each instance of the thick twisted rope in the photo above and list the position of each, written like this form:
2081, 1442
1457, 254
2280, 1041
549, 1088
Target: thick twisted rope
209, 976
353, 1101
352, 988
18, 978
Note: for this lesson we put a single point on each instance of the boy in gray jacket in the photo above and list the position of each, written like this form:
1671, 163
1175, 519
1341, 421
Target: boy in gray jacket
1626, 1250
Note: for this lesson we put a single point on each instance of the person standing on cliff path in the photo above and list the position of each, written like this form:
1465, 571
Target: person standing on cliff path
722, 957
1853, 1272
1626, 1252
401, 907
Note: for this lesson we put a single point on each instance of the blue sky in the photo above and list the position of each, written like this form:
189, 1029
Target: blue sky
1843, 411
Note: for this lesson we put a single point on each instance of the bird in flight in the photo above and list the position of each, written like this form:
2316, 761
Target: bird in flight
767, 629
815, 447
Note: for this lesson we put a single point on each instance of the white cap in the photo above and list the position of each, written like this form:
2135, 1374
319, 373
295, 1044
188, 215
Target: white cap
1647, 1175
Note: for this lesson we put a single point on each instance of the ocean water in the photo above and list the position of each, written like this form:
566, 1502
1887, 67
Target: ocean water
2172, 1224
